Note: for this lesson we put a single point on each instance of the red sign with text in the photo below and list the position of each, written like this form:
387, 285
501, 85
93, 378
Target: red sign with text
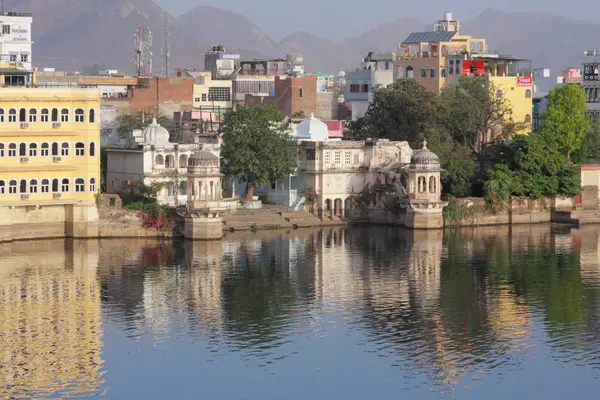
472, 67
524, 80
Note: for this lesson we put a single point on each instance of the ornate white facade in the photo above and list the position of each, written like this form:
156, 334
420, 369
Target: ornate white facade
335, 170
148, 156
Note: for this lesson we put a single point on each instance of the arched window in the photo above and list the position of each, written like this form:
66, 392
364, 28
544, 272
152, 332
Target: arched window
22, 115
79, 185
12, 115
92, 149
169, 161
32, 115
92, 118
93, 185
54, 185
45, 151
64, 187
45, 115
183, 188
32, 149
23, 186
12, 150
432, 185
183, 161
2, 116
410, 72
2, 187
23, 150
443, 73
159, 160
33, 186
79, 115
45, 185
528, 93
64, 149
12, 187
2, 150
55, 115
422, 184
79, 149
54, 149
64, 115
527, 119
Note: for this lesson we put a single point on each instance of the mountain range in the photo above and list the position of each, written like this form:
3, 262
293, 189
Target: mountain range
73, 34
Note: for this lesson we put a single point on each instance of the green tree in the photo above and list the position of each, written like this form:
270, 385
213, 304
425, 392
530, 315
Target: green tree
565, 121
402, 111
589, 152
477, 114
257, 147
532, 167
133, 120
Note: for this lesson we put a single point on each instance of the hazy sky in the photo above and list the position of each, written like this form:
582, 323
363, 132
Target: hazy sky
338, 19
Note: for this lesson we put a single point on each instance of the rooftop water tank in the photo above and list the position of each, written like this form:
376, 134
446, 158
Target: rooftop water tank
448, 16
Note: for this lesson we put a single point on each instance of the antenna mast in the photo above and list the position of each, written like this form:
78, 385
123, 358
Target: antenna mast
143, 51
166, 50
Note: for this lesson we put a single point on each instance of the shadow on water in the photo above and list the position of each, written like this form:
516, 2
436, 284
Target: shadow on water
438, 308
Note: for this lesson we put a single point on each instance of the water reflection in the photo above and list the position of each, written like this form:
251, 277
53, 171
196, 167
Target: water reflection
50, 329
439, 311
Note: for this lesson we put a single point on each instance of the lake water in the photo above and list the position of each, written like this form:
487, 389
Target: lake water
342, 313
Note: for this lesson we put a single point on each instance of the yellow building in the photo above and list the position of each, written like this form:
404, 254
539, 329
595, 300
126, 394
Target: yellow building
49, 162
437, 59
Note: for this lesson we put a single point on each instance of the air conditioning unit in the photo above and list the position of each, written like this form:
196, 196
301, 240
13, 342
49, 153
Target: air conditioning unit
24, 125
24, 197
24, 159
56, 159
56, 125
57, 195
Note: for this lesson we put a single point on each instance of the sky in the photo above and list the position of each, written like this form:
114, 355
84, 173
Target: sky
339, 19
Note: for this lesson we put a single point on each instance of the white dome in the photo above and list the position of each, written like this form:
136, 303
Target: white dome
312, 129
155, 134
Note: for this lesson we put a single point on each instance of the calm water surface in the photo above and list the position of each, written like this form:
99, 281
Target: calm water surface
359, 313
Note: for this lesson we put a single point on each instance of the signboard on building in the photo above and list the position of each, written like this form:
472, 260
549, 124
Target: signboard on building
229, 56
20, 33
525, 80
590, 72
472, 67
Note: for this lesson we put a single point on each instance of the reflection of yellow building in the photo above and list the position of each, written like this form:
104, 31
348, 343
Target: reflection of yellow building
50, 326
510, 319
435, 59
49, 162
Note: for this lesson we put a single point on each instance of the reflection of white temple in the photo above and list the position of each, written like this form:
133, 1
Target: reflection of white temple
589, 253
50, 323
148, 156
424, 264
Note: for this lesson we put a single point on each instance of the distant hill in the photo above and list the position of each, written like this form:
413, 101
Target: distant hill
70, 34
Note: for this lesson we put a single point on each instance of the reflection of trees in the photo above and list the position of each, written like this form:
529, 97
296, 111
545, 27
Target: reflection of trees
258, 298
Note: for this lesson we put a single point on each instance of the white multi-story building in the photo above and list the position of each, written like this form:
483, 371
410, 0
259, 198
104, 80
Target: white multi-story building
15, 38
377, 69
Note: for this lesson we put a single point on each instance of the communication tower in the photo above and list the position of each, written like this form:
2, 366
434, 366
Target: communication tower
166, 50
143, 51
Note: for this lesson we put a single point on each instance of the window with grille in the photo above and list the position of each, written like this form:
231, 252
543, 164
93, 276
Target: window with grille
327, 158
219, 94
79, 115
45, 115
45, 185
337, 158
32, 150
12, 150
32, 115
347, 157
12, 187
64, 151
33, 186
64, 115
354, 88
64, 187
200, 80
93, 185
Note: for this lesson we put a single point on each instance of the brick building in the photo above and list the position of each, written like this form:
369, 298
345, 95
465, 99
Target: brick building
292, 95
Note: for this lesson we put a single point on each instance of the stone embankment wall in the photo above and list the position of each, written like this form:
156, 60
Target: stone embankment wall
475, 212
